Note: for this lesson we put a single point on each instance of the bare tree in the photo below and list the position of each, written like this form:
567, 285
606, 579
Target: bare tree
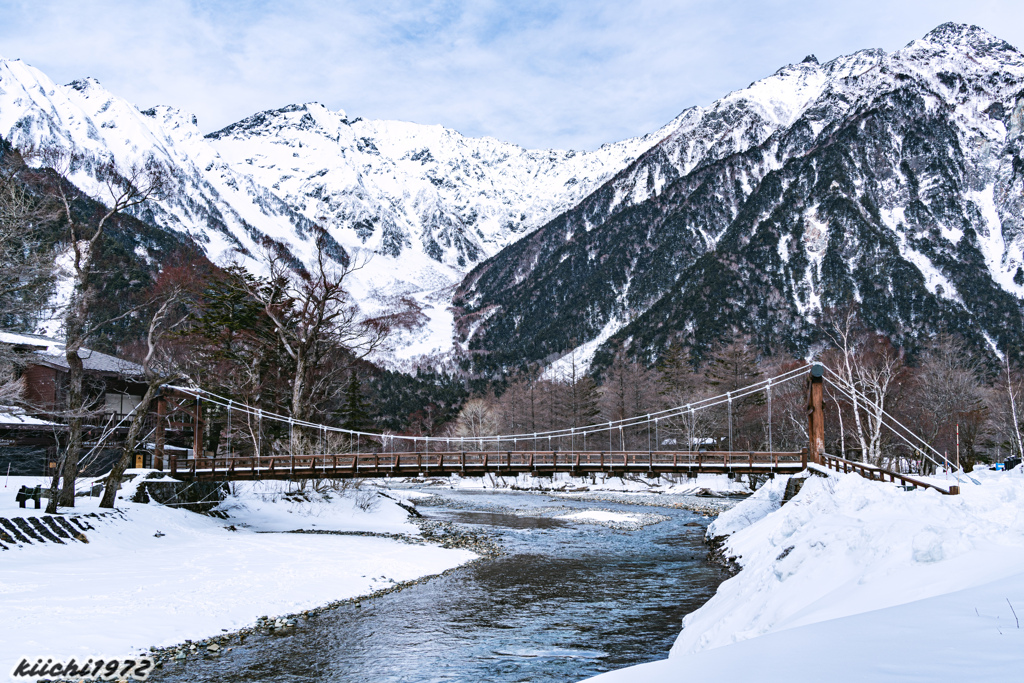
476, 419
136, 186
576, 397
871, 366
629, 390
680, 384
315, 319
948, 397
12, 387
158, 372
1010, 415
26, 264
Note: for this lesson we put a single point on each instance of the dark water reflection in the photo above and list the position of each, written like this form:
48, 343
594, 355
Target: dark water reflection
567, 602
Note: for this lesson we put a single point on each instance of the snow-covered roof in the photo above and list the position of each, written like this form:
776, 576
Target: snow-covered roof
50, 352
15, 417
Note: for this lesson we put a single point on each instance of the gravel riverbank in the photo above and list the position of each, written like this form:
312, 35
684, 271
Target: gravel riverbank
444, 534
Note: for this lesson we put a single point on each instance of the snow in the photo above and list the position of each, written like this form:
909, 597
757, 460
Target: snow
16, 416
583, 355
865, 581
51, 351
968, 635
129, 589
1001, 264
263, 506
598, 516
765, 500
714, 484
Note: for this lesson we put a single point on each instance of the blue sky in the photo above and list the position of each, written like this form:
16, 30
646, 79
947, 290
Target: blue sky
540, 74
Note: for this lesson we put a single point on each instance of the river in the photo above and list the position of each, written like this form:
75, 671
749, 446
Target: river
563, 602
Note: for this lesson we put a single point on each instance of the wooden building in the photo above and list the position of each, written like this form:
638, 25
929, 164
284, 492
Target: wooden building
31, 434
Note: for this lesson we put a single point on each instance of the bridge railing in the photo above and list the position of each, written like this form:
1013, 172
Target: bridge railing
880, 474
333, 464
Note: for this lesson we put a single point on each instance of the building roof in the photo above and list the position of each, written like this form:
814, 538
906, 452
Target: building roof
50, 352
15, 417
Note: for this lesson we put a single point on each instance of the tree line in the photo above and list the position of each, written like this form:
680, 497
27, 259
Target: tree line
964, 406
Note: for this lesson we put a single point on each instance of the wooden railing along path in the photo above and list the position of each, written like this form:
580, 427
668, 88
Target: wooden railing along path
879, 474
477, 463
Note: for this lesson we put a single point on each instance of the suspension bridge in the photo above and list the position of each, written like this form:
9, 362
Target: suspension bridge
601, 448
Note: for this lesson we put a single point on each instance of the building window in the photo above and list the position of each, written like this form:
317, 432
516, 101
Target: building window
120, 404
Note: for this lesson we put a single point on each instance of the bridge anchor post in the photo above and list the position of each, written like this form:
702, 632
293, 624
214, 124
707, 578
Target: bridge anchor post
815, 413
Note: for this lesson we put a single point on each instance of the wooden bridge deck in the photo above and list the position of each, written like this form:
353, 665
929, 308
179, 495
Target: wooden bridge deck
479, 463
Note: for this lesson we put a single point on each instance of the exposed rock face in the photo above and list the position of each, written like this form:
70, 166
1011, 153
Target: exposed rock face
894, 180
395, 187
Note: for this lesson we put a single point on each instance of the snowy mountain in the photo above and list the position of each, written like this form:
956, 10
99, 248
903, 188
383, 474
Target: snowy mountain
422, 204
398, 186
219, 208
893, 180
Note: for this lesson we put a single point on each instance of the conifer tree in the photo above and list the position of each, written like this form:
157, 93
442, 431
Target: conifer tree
356, 414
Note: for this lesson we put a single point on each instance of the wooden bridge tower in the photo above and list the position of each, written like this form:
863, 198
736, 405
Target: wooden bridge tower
815, 414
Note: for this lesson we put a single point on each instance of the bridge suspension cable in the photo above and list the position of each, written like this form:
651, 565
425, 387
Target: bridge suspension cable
688, 410
854, 394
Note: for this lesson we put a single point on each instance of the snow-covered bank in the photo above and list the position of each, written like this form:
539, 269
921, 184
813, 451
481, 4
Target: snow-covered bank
713, 484
159, 576
859, 580
968, 635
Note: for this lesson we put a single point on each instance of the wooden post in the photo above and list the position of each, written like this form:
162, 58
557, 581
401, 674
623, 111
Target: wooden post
159, 437
815, 414
197, 430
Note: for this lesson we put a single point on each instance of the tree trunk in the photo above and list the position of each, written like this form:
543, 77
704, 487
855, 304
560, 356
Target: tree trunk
298, 442
130, 444
75, 409
51, 504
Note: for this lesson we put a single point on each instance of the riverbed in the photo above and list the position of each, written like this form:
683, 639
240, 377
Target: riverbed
563, 601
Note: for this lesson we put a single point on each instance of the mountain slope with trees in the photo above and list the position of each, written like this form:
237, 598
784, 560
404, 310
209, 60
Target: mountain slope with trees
889, 180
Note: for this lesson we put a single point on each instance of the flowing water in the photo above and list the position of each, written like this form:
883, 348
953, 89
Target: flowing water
566, 601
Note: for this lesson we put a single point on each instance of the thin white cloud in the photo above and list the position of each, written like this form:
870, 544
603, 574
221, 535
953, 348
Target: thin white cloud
541, 74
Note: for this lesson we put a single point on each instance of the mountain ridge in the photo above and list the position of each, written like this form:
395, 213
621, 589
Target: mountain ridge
518, 256
421, 203
627, 275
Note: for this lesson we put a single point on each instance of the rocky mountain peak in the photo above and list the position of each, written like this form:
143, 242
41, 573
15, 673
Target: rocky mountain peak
87, 84
965, 37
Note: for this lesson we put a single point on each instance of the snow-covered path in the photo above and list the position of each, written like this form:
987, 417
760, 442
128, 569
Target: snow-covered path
161, 576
